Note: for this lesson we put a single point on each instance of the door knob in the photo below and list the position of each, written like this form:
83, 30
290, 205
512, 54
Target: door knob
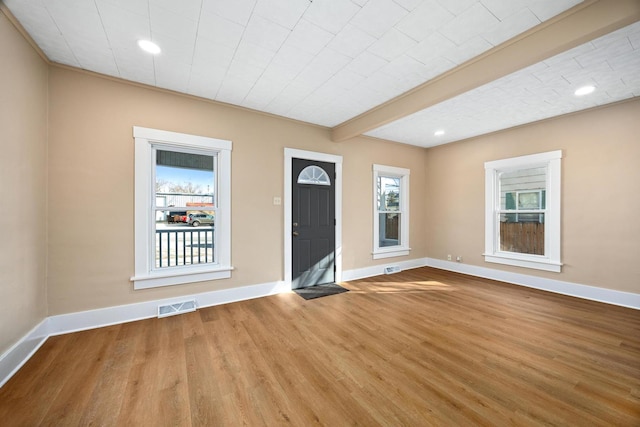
295, 233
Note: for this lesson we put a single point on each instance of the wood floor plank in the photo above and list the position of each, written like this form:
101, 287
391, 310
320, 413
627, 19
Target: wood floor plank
106, 400
421, 347
45, 367
88, 361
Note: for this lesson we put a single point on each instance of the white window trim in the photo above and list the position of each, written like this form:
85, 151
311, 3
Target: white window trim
551, 261
403, 249
145, 276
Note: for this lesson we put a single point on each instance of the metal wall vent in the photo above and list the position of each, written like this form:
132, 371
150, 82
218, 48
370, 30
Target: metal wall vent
176, 308
392, 269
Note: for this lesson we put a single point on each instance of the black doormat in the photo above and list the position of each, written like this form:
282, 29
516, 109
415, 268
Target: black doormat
318, 291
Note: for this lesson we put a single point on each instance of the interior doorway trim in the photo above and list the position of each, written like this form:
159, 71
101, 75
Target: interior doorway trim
289, 155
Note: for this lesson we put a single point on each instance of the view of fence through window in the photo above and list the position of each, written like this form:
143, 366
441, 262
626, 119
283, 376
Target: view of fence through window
522, 210
389, 211
185, 208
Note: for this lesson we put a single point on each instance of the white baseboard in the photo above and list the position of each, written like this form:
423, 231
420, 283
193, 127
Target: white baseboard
13, 359
609, 296
79, 321
16, 356
361, 273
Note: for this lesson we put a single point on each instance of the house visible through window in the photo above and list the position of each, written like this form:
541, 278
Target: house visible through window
182, 210
523, 211
391, 211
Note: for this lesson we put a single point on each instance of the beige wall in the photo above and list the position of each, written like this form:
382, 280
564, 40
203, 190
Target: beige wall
600, 188
76, 130
91, 187
23, 215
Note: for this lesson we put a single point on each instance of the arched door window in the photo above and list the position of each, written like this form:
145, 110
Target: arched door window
314, 175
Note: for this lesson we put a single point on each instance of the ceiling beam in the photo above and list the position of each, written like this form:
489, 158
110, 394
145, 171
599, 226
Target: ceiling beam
578, 25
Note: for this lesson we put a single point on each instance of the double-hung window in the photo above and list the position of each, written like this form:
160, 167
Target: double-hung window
522, 218
182, 208
390, 211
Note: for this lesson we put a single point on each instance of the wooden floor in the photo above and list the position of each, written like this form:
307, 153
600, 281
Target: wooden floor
418, 348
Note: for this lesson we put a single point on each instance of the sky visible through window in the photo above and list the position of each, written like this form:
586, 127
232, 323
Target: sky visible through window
198, 177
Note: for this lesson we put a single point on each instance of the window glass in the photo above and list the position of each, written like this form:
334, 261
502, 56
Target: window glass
522, 218
389, 229
522, 210
314, 175
188, 174
182, 208
388, 193
391, 211
529, 200
185, 218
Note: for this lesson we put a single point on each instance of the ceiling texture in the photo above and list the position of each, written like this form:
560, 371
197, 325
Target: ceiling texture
399, 70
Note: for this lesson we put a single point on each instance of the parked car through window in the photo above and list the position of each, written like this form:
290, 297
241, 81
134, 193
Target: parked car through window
197, 219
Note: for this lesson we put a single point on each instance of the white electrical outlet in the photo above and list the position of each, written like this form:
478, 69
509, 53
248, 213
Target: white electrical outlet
449, 257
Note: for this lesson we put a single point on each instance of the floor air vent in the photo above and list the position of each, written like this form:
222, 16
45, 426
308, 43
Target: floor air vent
176, 308
392, 269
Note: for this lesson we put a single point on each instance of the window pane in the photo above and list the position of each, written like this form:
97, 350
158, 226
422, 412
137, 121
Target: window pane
529, 200
388, 193
389, 233
314, 175
521, 189
525, 237
184, 235
184, 245
184, 179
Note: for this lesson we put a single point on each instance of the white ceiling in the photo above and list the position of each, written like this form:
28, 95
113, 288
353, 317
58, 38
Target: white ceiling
610, 63
328, 61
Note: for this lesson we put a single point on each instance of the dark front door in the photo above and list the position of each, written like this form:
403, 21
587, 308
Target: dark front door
313, 223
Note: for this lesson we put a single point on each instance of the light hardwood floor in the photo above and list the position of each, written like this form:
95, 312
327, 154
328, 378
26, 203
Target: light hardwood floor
418, 348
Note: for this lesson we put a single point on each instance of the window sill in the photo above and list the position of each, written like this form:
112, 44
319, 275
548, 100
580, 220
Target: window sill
537, 263
180, 276
395, 252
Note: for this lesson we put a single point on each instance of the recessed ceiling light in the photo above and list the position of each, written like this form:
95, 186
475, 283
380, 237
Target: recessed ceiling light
149, 46
438, 133
584, 90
